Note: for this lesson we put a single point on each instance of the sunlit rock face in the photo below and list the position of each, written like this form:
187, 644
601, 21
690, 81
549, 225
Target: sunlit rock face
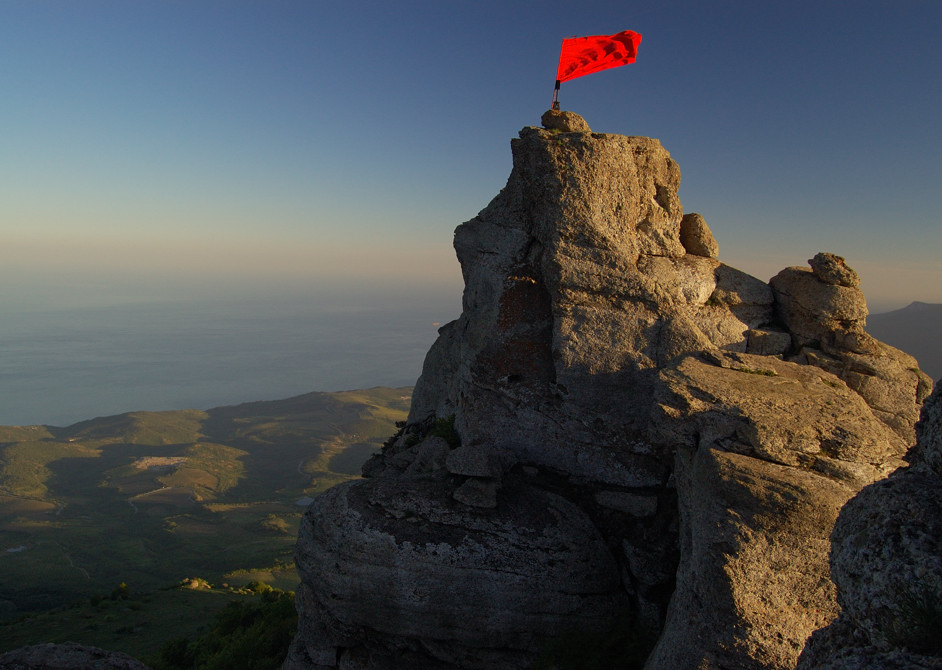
618, 431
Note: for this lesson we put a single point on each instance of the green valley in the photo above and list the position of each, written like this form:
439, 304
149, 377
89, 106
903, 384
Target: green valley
148, 499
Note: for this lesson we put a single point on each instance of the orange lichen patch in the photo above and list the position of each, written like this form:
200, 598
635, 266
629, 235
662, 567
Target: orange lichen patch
524, 302
521, 349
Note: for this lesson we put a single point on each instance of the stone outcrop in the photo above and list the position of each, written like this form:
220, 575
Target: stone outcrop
397, 559
825, 312
886, 560
67, 656
619, 430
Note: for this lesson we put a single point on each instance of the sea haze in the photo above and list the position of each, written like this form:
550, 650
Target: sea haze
62, 364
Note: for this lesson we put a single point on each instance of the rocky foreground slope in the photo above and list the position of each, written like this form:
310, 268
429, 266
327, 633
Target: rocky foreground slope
618, 428
886, 560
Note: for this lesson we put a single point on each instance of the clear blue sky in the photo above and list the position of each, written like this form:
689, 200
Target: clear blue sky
330, 143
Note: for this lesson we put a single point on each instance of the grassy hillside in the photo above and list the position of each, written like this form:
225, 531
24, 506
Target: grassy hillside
150, 498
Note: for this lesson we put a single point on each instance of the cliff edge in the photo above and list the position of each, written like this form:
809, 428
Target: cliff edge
619, 431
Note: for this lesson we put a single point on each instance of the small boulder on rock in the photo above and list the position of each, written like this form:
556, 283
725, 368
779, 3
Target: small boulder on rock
832, 269
566, 122
696, 237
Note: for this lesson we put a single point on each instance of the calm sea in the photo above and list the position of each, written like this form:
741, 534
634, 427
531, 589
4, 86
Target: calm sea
60, 365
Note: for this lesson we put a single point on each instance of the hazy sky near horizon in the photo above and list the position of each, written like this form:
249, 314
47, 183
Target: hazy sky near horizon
159, 146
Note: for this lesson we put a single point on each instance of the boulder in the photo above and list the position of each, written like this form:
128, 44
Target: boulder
768, 342
696, 237
927, 454
758, 406
887, 556
753, 577
816, 312
563, 121
484, 461
832, 269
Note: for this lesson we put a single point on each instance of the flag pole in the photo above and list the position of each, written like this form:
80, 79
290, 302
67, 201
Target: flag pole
556, 90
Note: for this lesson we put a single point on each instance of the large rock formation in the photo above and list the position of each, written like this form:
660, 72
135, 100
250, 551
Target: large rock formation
619, 430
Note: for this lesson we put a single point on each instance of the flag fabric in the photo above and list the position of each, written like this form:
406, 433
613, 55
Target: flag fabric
580, 56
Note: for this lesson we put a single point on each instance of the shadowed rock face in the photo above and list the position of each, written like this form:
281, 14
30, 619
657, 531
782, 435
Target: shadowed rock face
646, 435
401, 559
886, 561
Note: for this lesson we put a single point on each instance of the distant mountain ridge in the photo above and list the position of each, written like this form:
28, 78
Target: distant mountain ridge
916, 329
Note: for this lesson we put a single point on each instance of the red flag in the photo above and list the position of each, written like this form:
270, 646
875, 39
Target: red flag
585, 55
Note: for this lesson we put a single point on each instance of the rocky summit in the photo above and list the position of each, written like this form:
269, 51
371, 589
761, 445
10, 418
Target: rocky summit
620, 436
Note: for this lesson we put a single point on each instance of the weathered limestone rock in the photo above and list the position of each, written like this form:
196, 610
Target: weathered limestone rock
761, 480
889, 381
563, 121
759, 407
826, 314
887, 553
817, 312
478, 492
67, 656
399, 559
635, 504
870, 658
696, 237
886, 560
767, 342
430, 456
485, 461
749, 587
646, 434
832, 269
577, 284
